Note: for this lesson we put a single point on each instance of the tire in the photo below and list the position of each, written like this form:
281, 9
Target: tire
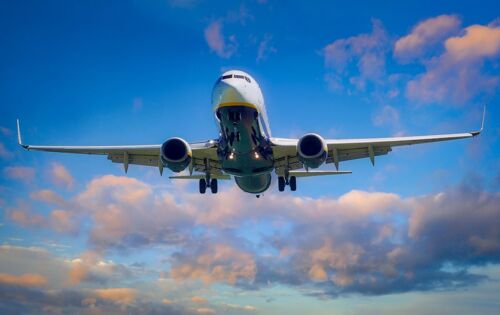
293, 183
213, 186
281, 183
203, 186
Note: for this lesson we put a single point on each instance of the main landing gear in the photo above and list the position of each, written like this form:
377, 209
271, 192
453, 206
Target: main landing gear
212, 183
282, 182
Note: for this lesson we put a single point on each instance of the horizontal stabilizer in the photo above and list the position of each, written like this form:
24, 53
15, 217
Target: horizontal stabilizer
317, 173
202, 176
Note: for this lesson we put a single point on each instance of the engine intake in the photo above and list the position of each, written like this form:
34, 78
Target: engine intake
312, 150
176, 154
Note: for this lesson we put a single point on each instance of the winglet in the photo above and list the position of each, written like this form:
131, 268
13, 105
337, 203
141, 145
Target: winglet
19, 139
475, 133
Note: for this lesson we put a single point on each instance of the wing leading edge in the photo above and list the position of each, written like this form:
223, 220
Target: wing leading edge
285, 150
148, 155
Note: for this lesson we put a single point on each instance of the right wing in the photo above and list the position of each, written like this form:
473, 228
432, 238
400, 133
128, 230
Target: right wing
148, 155
285, 150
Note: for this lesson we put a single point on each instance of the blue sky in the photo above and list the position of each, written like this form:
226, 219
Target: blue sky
416, 233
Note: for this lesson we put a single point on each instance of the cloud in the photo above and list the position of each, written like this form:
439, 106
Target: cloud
388, 115
425, 35
21, 173
214, 263
25, 280
458, 74
60, 176
126, 213
198, 299
5, 131
265, 48
357, 60
359, 242
90, 267
217, 42
205, 310
117, 295
50, 197
24, 216
4, 153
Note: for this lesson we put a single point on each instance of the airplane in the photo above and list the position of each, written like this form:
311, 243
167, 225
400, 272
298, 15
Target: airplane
245, 148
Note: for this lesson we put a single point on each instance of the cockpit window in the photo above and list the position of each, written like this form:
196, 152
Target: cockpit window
236, 76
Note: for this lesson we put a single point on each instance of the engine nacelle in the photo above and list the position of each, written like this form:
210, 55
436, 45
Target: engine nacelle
312, 150
176, 154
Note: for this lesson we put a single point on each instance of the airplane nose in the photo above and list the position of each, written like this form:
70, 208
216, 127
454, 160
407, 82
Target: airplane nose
228, 93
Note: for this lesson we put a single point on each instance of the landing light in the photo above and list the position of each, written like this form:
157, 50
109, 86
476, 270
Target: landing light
256, 154
231, 156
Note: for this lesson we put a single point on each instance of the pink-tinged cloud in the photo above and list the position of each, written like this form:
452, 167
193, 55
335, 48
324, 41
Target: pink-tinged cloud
366, 52
50, 197
216, 41
4, 153
63, 221
217, 263
205, 311
117, 295
424, 36
479, 41
24, 216
61, 176
198, 299
457, 75
21, 173
25, 280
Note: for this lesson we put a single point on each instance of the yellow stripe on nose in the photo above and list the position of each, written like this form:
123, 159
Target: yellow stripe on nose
230, 104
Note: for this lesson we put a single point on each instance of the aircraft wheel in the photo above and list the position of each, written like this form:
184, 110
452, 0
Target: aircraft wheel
281, 183
213, 186
293, 183
203, 186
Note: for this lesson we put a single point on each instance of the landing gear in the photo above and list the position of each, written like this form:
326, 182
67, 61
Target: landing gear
213, 186
293, 183
203, 186
212, 183
282, 182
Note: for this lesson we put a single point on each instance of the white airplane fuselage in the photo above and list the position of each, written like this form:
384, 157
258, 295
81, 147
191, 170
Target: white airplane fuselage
244, 148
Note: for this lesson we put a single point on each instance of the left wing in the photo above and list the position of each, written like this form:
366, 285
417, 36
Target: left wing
285, 150
148, 155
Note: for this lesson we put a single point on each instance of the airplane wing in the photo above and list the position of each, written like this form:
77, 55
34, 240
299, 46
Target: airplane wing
285, 150
148, 155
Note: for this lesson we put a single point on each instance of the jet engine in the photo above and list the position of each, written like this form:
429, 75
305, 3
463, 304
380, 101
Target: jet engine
176, 154
312, 150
